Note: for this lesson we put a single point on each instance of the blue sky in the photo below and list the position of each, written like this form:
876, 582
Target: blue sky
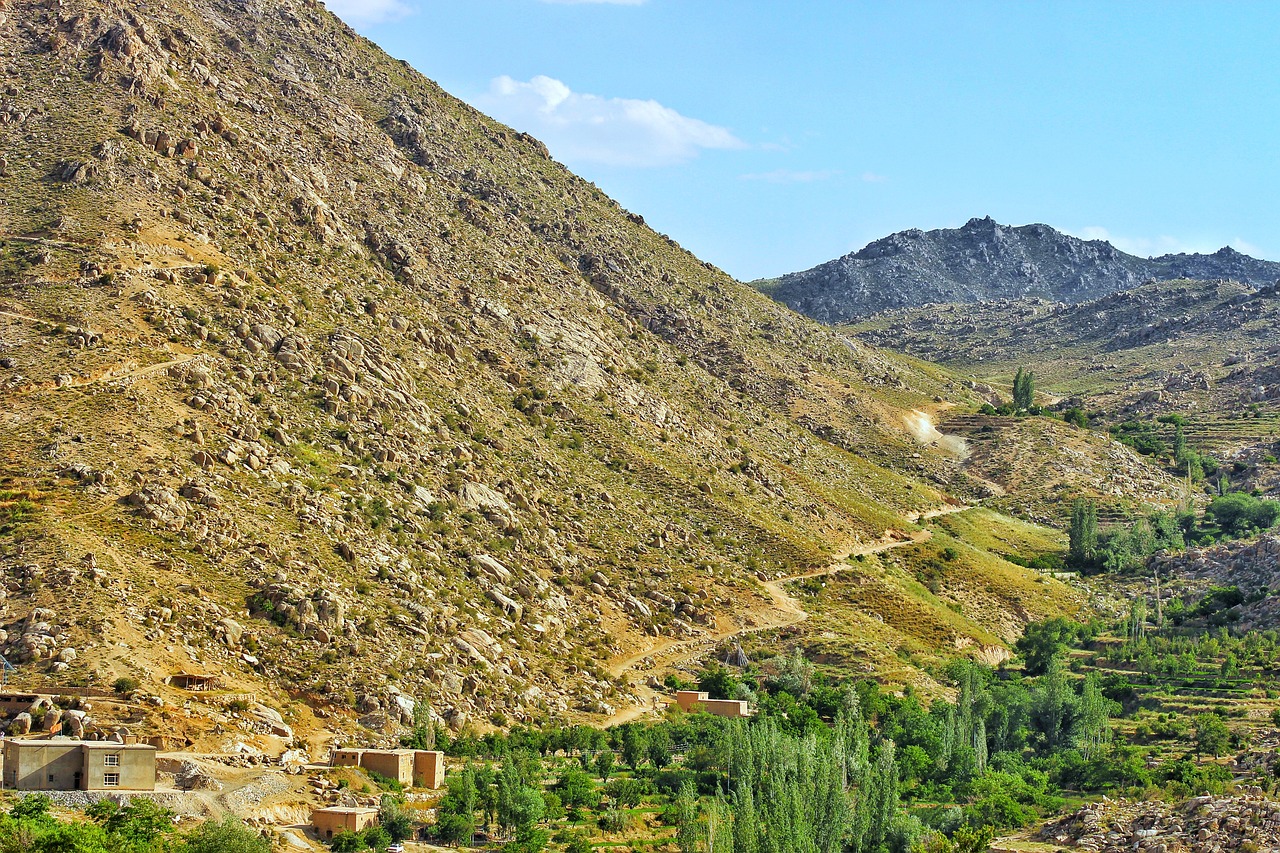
768, 137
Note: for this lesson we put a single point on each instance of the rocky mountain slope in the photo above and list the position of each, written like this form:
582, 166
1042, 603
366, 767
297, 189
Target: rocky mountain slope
984, 261
1253, 566
315, 380
1206, 350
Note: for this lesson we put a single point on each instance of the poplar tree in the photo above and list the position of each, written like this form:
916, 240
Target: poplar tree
1024, 390
881, 798
1093, 726
1082, 536
687, 829
746, 822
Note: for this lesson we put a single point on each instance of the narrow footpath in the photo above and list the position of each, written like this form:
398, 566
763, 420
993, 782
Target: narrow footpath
667, 654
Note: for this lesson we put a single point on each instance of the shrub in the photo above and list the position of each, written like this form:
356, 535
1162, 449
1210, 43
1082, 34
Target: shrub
229, 836
613, 821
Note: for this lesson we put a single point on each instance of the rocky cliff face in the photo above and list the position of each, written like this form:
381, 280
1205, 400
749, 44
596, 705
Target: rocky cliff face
984, 261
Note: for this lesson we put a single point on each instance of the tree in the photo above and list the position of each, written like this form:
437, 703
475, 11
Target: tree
719, 826
227, 836
394, 818
688, 833
746, 822
626, 793
604, 764
1083, 534
423, 735
31, 807
1093, 721
1023, 390
718, 682
1042, 642
659, 749
139, 823
1054, 705
457, 822
375, 837
579, 844
520, 806
1239, 514
1212, 735
348, 842
576, 788
882, 792
633, 745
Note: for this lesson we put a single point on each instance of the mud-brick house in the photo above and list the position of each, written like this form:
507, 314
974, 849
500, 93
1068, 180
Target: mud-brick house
335, 819
420, 768
689, 699
62, 764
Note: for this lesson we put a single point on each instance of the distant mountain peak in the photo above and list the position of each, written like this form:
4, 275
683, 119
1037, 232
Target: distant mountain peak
984, 260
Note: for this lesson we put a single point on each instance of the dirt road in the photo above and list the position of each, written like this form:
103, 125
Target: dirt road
667, 653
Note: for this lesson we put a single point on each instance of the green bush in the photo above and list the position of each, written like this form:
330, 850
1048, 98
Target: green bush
124, 684
1240, 514
613, 821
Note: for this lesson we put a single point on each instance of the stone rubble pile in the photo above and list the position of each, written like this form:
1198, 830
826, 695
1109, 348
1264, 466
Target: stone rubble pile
1208, 824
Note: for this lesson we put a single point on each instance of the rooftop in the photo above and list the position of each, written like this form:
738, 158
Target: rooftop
64, 741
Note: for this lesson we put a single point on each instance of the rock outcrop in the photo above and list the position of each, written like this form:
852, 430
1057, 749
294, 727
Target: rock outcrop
1199, 825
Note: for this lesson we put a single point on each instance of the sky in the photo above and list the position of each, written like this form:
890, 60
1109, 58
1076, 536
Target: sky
768, 136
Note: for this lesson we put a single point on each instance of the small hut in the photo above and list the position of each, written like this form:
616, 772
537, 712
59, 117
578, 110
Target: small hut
196, 681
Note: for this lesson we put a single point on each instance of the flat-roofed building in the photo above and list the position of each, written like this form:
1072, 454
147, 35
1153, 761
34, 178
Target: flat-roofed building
690, 699
420, 768
62, 764
16, 703
335, 819
428, 768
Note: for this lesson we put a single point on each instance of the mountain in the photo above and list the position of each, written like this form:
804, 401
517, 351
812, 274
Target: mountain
984, 261
317, 381
1207, 351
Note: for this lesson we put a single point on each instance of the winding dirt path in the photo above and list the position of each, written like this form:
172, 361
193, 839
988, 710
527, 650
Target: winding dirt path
668, 653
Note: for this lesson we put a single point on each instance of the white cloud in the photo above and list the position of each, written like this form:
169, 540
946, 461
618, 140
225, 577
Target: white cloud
873, 178
597, 2
368, 11
787, 176
579, 127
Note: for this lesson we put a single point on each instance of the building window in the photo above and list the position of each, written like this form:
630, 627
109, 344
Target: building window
111, 780
111, 760
52, 778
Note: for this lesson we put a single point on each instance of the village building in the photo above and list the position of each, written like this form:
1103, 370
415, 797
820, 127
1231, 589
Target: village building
62, 764
195, 681
419, 768
16, 703
688, 700
335, 819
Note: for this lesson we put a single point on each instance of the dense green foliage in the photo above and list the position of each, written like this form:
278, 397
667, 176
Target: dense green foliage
1238, 514
1121, 548
828, 766
139, 827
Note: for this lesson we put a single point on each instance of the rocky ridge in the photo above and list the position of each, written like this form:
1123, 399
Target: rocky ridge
983, 261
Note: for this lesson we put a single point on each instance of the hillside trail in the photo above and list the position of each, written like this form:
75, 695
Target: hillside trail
668, 654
